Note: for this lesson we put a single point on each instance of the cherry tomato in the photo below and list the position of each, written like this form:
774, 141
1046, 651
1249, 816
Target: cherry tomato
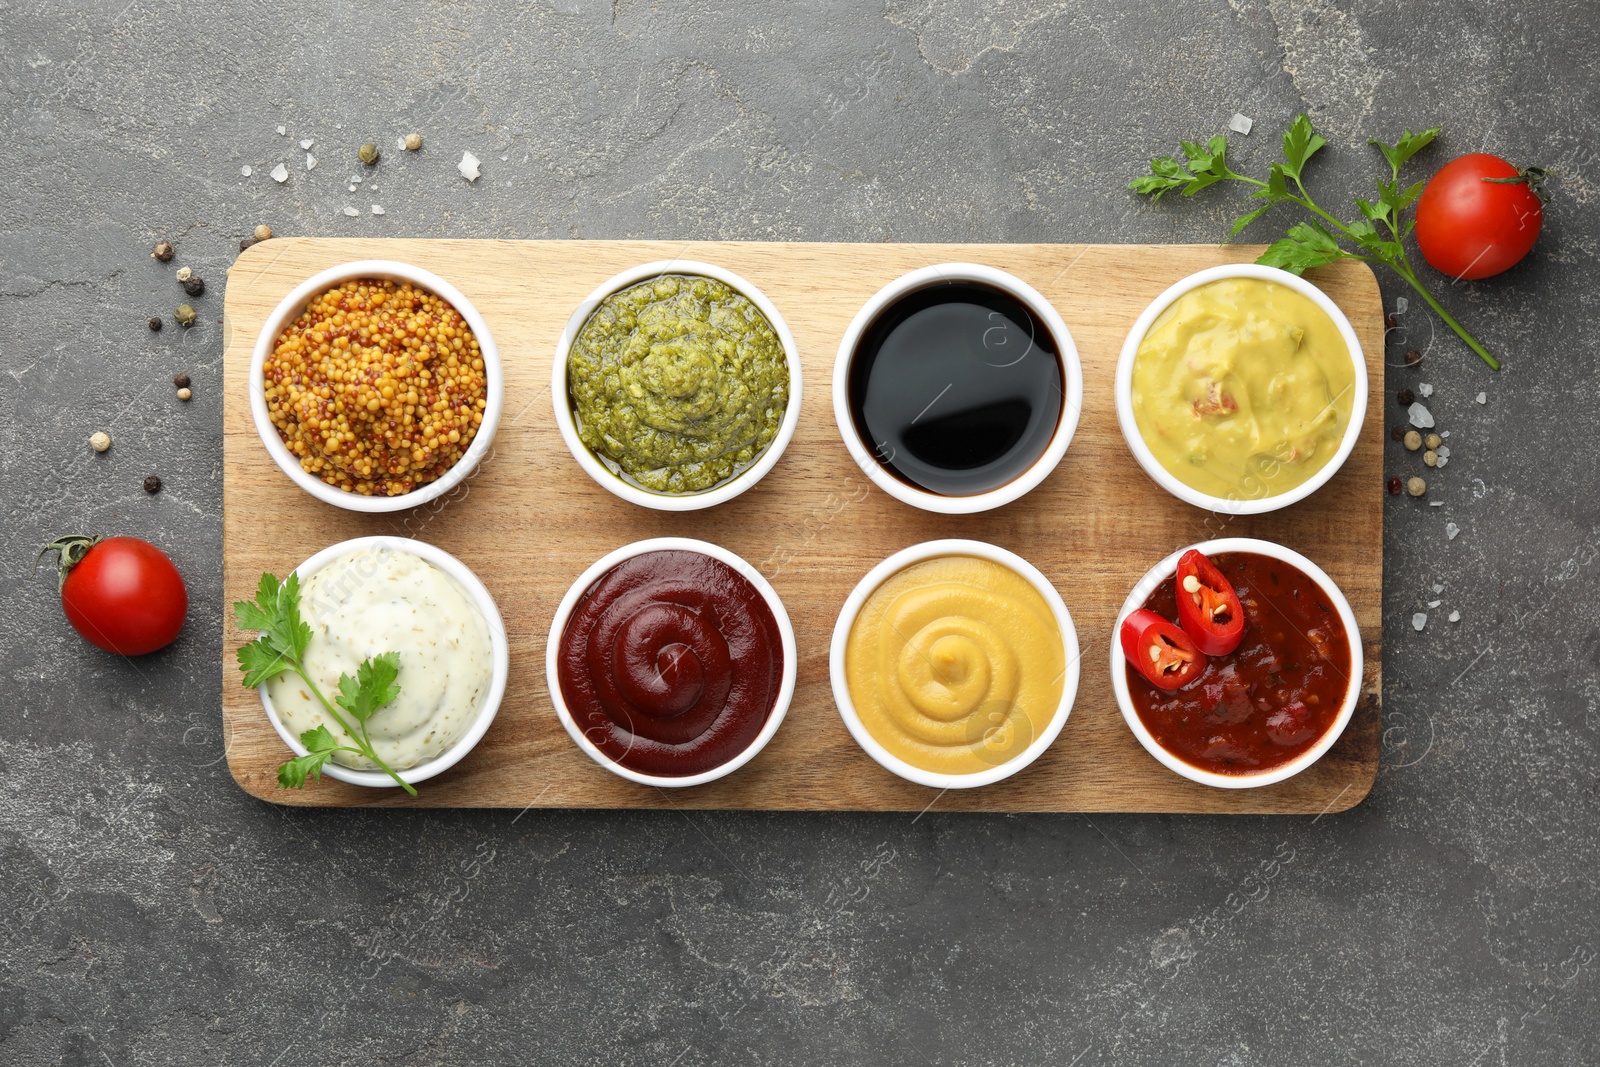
1479, 216
122, 594
1208, 608
1160, 651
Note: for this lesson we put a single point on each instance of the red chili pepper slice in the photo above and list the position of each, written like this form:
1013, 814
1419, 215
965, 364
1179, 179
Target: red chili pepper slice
1160, 651
1208, 607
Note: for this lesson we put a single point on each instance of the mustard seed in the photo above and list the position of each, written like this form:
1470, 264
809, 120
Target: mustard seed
184, 394
99, 440
263, 232
1433, 440
413, 141
1416, 486
1413, 440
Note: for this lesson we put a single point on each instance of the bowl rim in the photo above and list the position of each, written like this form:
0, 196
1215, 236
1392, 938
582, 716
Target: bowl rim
499, 653
1146, 459
567, 424
604, 565
294, 303
1071, 383
894, 564
1165, 569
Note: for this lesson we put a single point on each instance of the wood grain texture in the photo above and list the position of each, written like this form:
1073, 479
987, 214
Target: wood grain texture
530, 522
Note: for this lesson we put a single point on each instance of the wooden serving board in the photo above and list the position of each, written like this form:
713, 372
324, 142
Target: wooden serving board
532, 521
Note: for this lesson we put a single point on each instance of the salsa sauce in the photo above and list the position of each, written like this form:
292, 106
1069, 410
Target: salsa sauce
671, 663
1272, 698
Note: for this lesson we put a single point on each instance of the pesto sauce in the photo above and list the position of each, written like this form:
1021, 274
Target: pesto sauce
678, 383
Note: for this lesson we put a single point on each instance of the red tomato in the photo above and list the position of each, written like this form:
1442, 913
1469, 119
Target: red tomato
1479, 216
122, 594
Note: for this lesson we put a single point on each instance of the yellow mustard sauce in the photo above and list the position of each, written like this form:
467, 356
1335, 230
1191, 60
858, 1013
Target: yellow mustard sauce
955, 664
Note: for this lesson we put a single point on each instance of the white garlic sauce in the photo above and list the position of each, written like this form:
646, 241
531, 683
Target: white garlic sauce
378, 600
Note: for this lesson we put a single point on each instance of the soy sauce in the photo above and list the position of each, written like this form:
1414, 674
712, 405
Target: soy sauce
956, 388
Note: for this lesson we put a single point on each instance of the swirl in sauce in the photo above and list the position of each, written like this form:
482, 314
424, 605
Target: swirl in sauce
955, 664
671, 663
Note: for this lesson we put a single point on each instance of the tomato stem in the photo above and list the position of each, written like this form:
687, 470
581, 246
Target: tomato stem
70, 550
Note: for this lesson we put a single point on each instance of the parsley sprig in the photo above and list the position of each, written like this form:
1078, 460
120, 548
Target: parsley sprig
1378, 236
281, 646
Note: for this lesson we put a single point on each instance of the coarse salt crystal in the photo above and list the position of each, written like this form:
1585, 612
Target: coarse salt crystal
307, 143
311, 161
504, 158
1444, 433
351, 211
1482, 398
1425, 389
1451, 530
1434, 603
377, 209
1419, 620
1241, 123
282, 131
1455, 616
1440, 462
245, 171
1420, 416
1437, 588
349, 188
469, 166
280, 173
1400, 305
1443, 451
400, 142
1436, 503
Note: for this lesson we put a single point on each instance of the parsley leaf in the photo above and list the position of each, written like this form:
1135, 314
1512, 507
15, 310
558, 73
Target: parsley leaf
1310, 243
282, 639
371, 688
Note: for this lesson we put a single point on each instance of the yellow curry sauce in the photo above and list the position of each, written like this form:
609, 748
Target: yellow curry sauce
1243, 388
955, 664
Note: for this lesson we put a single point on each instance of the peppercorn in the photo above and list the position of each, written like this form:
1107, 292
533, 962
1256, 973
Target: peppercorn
184, 394
155, 322
99, 440
246, 242
1413, 440
180, 381
163, 251
1397, 433
1433, 440
184, 315
1390, 322
1394, 486
1416, 486
1413, 357
368, 153
1406, 398
263, 232
152, 484
184, 274
413, 141
195, 285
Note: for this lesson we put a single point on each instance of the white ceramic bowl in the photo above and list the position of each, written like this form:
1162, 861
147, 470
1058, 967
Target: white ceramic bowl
1244, 504
1071, 383
894, 565
600, 568
591, 463
480, 598
1119, 673
290, 307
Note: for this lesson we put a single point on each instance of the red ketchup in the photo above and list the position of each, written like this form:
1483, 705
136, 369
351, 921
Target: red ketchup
671, 663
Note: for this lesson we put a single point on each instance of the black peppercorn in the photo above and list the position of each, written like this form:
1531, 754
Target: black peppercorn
180, 381
155, 322
1413, 357
1390, 322
152, 484
163, 251
1406, 398
1397, 433
246, 242
194, 285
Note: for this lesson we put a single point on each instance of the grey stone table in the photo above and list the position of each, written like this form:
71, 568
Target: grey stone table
155, 914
